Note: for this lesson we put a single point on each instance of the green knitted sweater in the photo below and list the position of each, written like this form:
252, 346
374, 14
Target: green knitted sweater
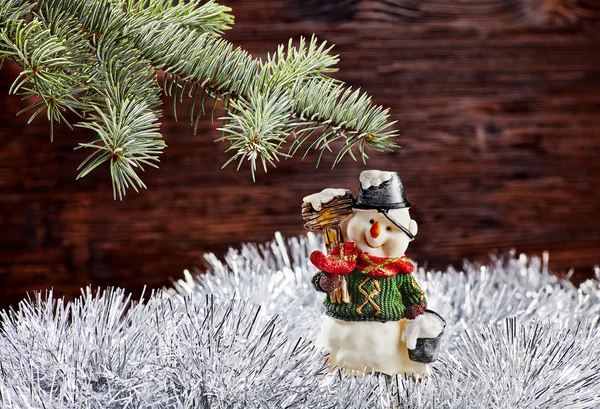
373, 298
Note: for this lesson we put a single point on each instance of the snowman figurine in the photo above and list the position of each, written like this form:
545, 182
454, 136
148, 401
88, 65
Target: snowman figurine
381, 324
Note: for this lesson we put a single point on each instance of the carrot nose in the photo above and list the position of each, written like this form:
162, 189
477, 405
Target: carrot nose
375, 230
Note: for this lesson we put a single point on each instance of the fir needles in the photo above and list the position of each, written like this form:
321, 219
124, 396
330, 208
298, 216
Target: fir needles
101, 59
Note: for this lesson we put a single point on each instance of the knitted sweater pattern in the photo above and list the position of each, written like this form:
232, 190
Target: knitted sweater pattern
374, 298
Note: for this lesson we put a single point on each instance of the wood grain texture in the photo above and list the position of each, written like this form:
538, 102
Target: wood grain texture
498, 102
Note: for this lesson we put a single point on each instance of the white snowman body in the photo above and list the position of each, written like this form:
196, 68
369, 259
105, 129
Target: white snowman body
366, 345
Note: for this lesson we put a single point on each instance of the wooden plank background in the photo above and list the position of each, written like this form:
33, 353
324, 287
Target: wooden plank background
498, 102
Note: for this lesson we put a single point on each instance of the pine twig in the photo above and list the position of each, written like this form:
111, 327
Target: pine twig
100, 59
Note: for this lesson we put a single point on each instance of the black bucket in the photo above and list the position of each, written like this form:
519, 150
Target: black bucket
427, 349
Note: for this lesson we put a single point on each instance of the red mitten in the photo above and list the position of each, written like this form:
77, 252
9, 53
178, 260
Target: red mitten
414, 311
342, 259
330, 282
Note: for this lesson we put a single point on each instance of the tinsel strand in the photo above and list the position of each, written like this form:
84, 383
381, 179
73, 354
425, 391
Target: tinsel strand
241, 336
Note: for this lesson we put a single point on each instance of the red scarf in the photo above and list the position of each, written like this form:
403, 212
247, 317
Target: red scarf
345, 257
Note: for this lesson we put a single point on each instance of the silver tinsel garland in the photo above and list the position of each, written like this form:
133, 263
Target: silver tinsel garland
241, 337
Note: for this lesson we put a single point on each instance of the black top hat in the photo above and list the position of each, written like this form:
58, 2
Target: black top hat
383, 197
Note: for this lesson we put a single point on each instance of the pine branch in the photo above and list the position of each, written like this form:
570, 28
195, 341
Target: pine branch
299, 71
105, 80
124, 98
209, 17
101, 59
51, 56
258, 136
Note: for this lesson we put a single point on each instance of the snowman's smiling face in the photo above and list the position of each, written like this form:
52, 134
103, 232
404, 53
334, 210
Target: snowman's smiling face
373, 233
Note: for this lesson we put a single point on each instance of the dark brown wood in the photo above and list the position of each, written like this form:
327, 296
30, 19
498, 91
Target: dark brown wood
498, 103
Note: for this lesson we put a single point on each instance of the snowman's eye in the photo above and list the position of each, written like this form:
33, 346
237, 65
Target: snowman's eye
388, 228
371, 221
